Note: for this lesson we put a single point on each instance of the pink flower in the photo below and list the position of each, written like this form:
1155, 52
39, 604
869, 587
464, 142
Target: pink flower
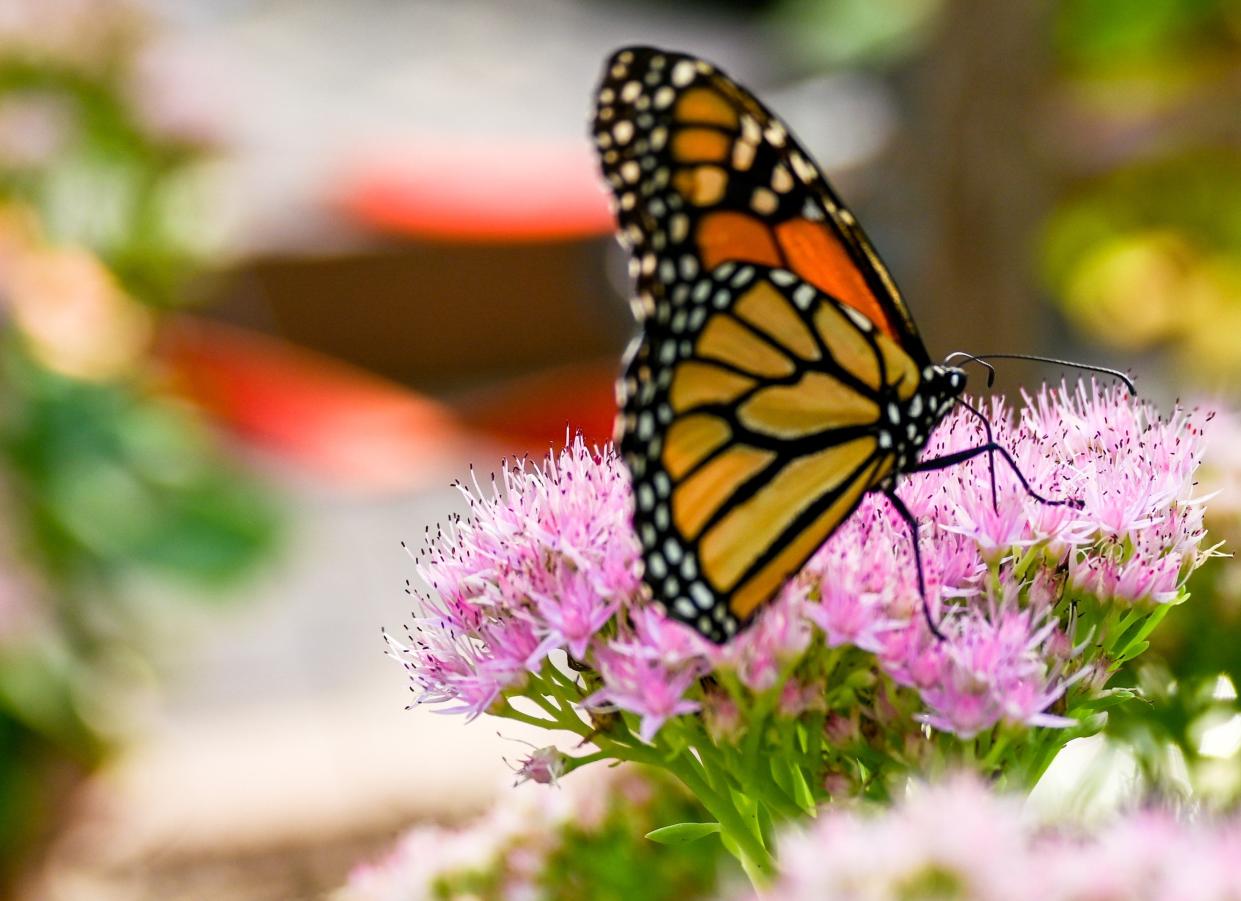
443, 667
512, 647
993, 668
572, 618
779, 635
960, 840
658, 637
543, 766
644, 687
994, 531
545, 561
797, 697
722, 717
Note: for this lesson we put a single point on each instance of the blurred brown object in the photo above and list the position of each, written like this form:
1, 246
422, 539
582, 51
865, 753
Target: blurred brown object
438, 317
458, 259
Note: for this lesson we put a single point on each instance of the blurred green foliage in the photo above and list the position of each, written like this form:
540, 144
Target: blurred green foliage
105, 477
1150, 255
137, 183
869, 33
1173, 39
1187, 685
113, 478
614, 862
1145, 250
1143, 253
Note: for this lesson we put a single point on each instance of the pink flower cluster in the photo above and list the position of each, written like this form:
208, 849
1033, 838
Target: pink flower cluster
529, 838
510, 842
548, 560
544, 561
958, 840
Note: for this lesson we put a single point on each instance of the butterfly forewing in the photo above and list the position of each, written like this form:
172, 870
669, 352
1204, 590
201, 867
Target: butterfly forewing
702, 173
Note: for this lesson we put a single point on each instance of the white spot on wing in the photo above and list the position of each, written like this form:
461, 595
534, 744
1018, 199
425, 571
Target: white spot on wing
682, 73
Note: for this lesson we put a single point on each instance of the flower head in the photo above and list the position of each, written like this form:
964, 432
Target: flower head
547, 561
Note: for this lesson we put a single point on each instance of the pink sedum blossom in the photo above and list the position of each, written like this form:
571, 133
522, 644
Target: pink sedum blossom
507, 840
547, 561
960, 840
643, 686
544, 766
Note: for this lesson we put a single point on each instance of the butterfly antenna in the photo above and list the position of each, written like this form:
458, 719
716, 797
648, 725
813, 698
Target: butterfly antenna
1087, 367
970, 358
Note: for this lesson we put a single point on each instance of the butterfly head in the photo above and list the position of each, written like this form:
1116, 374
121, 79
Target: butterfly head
941, 385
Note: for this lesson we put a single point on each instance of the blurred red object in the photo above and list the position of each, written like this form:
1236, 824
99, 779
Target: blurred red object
330, 418
480, 190
537, 411
362, 431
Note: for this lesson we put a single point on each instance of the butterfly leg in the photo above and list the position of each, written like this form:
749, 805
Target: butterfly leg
899, 506
991, 447
986, 425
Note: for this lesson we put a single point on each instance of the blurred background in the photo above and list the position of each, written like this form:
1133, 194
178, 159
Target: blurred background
274, 272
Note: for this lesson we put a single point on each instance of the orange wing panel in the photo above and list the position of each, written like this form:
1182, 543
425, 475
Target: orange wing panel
816, 255
735, 236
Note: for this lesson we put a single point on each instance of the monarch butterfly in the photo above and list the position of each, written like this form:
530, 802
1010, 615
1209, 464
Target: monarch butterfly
779, 376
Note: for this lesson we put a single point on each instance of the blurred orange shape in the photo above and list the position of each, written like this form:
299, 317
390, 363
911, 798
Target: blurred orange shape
326, 416
75, 317
479, 190
537, 411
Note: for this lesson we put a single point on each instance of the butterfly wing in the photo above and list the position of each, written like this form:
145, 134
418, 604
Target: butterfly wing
774, 340
702, 173
752, 428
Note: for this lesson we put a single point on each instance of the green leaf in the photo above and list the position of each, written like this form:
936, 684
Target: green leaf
801, 791
682, 833
1109, 699
748, 808
780, 774
1134, 650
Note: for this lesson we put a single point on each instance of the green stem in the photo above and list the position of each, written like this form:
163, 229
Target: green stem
573, 763
995, 752
540, 698
755, 858
561, 679
562, 710
512, 713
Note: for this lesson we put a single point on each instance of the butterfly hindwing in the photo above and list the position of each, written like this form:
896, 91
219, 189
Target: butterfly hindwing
753, 425
702, 173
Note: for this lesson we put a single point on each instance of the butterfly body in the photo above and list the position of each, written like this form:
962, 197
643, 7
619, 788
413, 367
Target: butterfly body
779, 376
